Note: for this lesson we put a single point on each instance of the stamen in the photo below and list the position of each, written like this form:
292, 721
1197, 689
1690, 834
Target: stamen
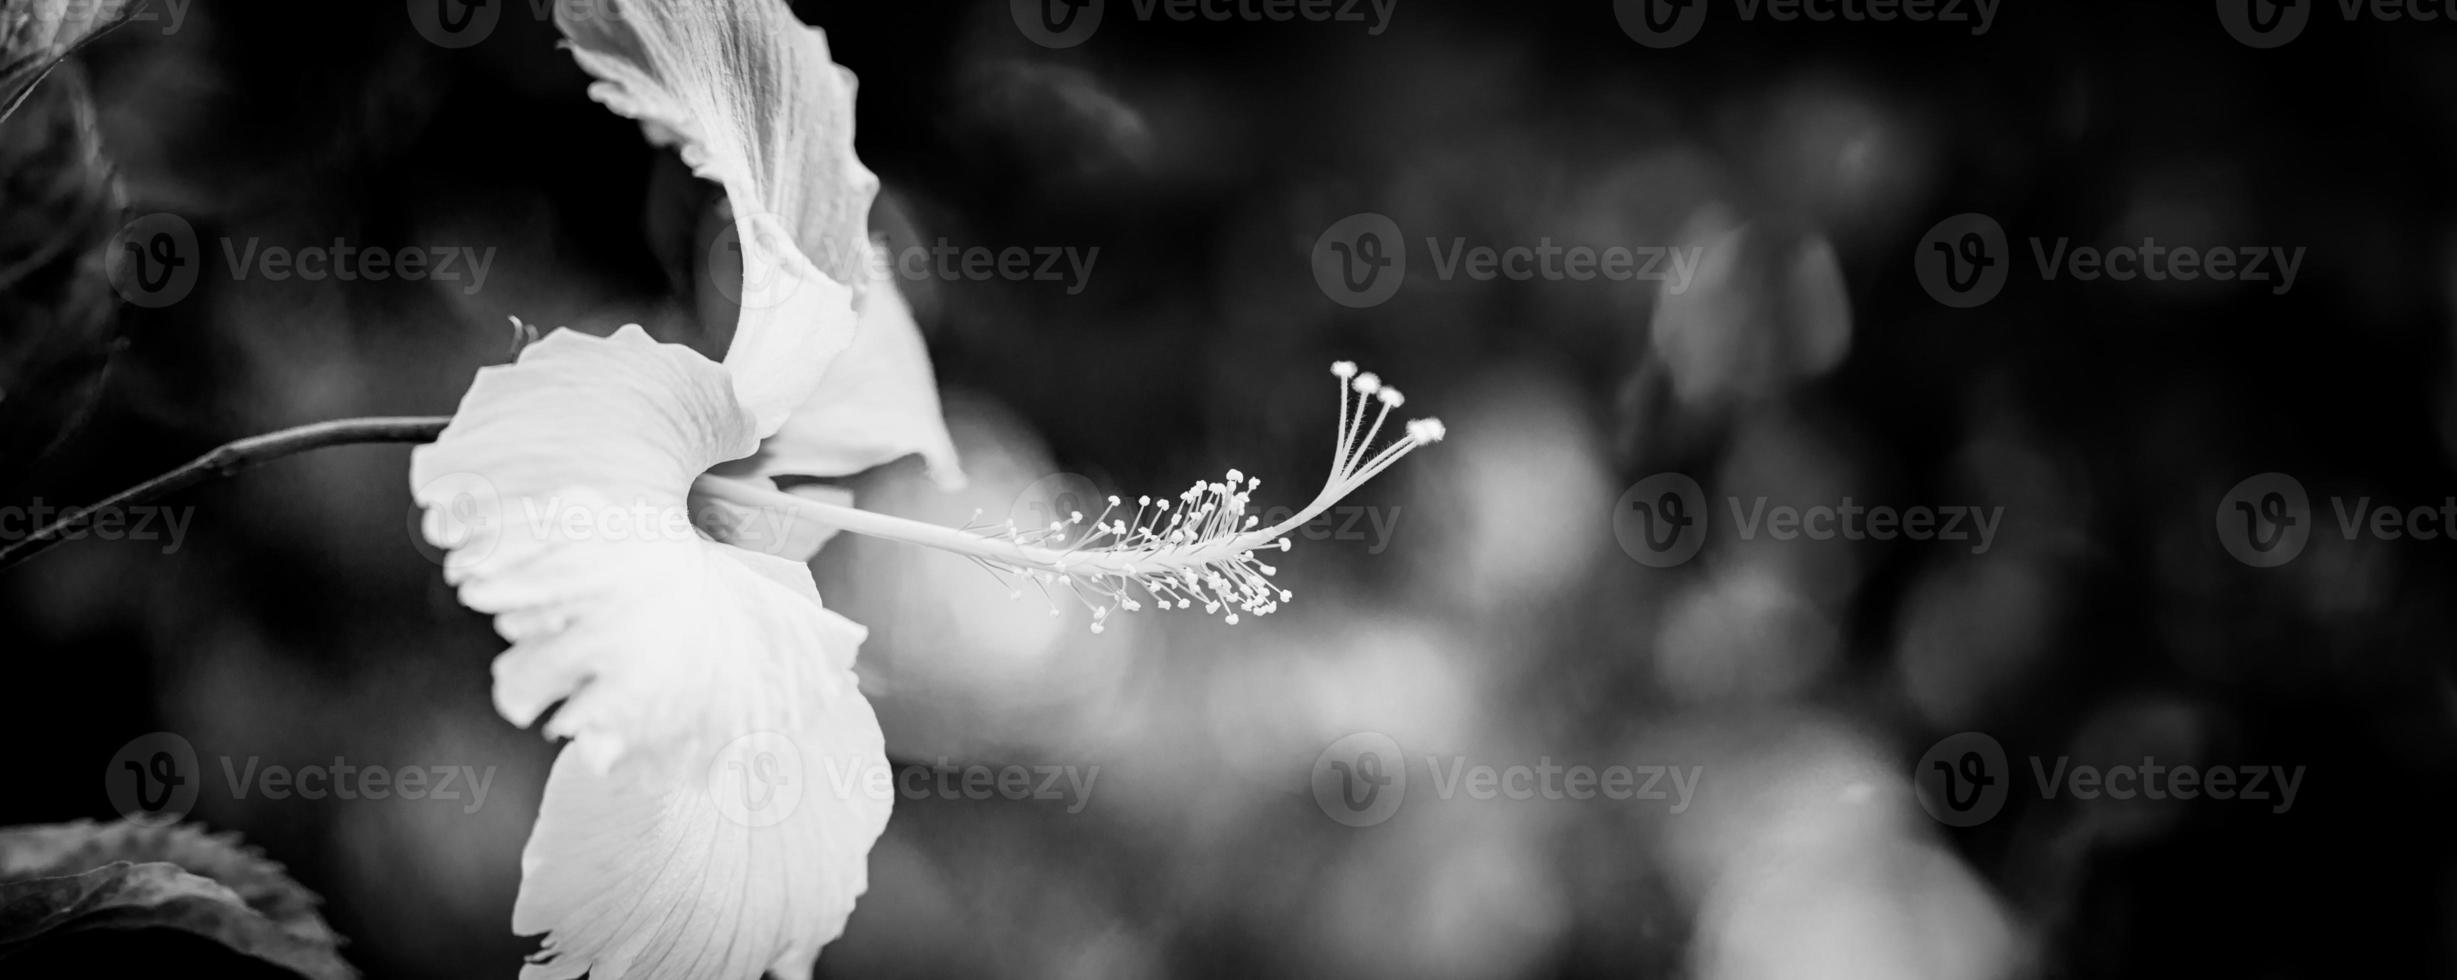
1201, 552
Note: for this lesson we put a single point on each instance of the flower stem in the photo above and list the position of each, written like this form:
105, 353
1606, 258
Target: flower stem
224, 461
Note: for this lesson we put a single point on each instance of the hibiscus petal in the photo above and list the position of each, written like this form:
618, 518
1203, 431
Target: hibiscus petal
713, 814
561, 490
878, 402
750, 864
751, 98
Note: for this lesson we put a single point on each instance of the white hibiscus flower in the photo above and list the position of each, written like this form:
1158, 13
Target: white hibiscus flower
725, 779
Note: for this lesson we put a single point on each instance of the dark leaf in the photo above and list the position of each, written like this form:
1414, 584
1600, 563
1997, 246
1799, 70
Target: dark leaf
153, 896
66, 878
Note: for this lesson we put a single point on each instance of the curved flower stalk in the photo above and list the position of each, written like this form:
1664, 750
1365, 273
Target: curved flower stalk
724, 780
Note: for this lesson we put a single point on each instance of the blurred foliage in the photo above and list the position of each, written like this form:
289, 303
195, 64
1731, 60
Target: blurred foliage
58, 314
37, 35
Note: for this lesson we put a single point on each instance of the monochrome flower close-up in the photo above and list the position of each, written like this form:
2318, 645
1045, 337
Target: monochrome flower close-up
688, 670
1807, 489
683, 669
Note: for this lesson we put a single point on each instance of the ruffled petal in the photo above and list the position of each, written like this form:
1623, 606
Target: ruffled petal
878, 402
561, 492
751, 863
725, 780
752, 100
748, 94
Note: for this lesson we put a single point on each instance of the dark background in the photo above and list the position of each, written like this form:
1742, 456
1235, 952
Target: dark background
1502, 622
